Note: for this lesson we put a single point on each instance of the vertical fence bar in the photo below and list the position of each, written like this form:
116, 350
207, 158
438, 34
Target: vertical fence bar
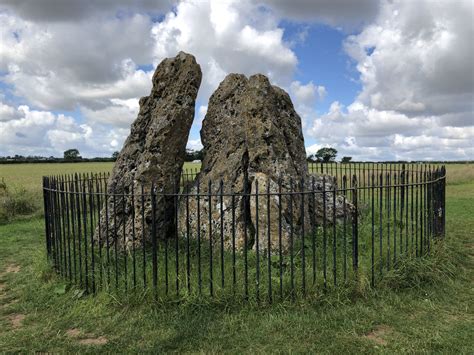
324, 234
142, 210
211, 281
114, 201
313, 223
292, 255
63, 226
134, 255
257, 244
334, 234
91, 223
107, 232
344, 225
280, 252
372, 240
234, 271
422, 208
355, 231
381, 222
303, 256
124, 240
176, 233
430, 208
425, 210
59, 224
444, 201
188, 251
154, 243
417, 187
46, 216
99, 228
67, 259
57, 263
407, 190
198, 203
221, 201
73, 228
388, 194
412, 202
84, 216
59, 248
402, 207
269, 253
246, 204
395, 189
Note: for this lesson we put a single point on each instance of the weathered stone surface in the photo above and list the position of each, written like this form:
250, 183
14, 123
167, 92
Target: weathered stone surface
251, 135
154, 152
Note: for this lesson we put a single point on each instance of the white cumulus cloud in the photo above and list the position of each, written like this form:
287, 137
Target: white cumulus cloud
416, 69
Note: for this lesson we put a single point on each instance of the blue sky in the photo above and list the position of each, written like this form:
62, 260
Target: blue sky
377, 80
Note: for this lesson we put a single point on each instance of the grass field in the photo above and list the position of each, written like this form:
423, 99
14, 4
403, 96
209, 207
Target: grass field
426, 306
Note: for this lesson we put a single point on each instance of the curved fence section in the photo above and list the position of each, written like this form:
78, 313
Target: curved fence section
273, 240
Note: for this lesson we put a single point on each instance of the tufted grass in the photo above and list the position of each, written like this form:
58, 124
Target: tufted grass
424, 306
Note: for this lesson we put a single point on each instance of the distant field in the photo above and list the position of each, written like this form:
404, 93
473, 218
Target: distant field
28, 176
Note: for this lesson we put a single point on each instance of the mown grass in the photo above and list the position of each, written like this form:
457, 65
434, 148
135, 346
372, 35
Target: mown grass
424, 306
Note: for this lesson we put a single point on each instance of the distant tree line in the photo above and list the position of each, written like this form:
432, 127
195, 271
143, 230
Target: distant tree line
328, 155
192, 155
73, 156
323, 155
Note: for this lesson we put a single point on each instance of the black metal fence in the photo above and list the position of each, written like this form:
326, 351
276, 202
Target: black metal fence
358, 221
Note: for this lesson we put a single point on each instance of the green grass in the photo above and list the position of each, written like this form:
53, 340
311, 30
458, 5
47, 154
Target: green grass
425, 306
29, 176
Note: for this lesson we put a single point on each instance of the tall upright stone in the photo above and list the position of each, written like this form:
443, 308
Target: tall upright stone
252, 136
154, 152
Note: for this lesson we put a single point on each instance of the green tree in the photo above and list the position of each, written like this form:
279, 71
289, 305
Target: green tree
326, 154
312, 158
192, 155
115, 155
346, 159
71, 154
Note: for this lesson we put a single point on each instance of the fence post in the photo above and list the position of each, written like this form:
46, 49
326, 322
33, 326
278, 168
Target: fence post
154, 241
443, 201
355, 232
46, 214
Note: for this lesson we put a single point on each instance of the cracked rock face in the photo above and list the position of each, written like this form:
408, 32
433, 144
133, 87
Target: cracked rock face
153, 152
252, 136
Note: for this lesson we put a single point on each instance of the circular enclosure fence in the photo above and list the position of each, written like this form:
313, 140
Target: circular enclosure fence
273, 240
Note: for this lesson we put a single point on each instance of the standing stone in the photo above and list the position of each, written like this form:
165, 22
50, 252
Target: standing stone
153, 153
252, 136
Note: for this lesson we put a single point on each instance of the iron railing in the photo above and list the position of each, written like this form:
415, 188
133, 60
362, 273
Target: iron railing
304, 237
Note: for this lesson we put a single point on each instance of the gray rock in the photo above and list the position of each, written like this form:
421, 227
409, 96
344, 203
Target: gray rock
153, 152
252, 136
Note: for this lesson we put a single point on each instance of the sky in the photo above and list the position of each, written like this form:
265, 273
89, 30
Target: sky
377, 80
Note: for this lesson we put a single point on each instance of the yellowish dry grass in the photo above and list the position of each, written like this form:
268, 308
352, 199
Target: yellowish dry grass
459, 173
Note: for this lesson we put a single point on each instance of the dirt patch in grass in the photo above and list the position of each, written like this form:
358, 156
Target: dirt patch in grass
378, 334
12, 268
16, 320
73, 332
94, 341
88, 340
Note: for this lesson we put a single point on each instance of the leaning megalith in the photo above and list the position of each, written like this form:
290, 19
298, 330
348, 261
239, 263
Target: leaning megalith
252, 136
153, 152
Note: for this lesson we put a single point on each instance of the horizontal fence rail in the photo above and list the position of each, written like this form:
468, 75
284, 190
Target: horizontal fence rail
273, 240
